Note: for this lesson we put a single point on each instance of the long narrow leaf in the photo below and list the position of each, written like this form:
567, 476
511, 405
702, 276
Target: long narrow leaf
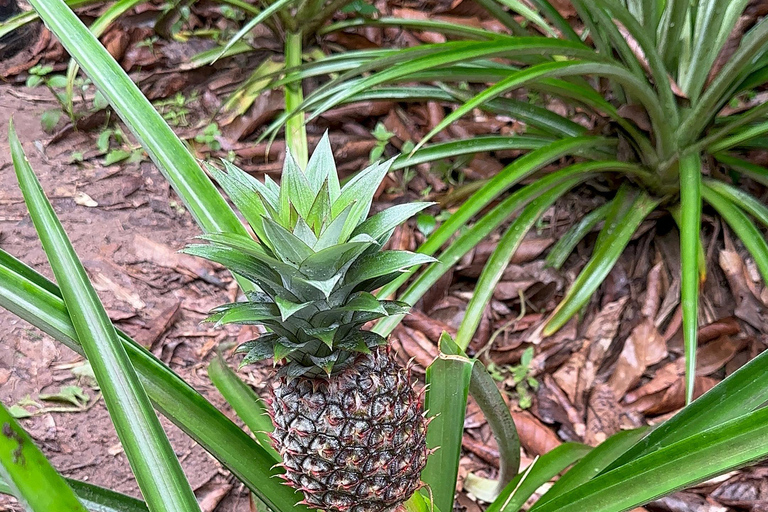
254, 22
747, 202
716, 94
754, 171
742, 392
507, 177
604, 258
483, 389
592, 463
98, 27
28, 474
95, 499
441, 27
565, 244
694, 459
499, 259
560, 69
448, 379
690, 232
26, 17
542, 470
247, 404
172, 396
442, 55
651, 55
745, 229
157, 470
455, 148
490, 221
179, 167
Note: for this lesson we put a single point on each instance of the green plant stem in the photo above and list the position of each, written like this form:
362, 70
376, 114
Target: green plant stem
295, 132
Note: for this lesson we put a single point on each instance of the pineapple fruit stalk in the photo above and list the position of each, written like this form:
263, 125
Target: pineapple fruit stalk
348, 423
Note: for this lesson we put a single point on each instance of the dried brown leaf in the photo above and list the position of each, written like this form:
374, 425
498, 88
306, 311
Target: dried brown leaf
535, 437
644, 347
603, 415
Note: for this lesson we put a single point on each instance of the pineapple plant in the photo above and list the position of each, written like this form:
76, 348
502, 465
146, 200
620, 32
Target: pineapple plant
348, 422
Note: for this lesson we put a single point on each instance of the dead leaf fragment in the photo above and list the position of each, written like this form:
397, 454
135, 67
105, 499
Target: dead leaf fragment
162, 255
84, 199
535, 437
644, 347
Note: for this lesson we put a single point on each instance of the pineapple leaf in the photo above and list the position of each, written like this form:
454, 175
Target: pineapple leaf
359, 193
326, 363
384, 263
321, 169
287, 246
304, 232
295, 189
331, 316
268, 338
246, 313
268, 191
332, 234
364, 301
293, 370
358, 339
246, 245
320, 213
324, 334
294, 346
385, 221
325, 286
288, 308
395, 307
243, 193
274, 192
258, 350
328, 262
254, 357
361, 317
281, 351
248, 267
376, 283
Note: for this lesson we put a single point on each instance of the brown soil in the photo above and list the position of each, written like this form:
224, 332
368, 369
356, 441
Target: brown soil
133, 200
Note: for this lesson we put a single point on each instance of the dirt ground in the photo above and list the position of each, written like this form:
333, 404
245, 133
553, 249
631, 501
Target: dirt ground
131, 222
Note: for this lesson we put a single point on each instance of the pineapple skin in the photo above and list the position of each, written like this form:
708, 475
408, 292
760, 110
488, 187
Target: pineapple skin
354, 441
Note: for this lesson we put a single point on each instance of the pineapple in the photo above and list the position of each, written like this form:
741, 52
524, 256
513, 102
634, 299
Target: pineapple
348, 423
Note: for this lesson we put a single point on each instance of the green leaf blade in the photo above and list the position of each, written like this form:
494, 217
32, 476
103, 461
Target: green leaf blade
607, 252
672, 467
448, 378
152, 459
690, 229
24, 467
171, 395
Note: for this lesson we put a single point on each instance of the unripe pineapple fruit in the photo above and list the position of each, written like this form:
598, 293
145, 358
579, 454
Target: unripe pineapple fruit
348, 423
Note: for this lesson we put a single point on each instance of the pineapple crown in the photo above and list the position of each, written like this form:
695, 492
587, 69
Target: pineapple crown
317, 261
